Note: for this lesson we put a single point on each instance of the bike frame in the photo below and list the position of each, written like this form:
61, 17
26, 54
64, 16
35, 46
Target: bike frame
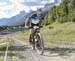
36, 34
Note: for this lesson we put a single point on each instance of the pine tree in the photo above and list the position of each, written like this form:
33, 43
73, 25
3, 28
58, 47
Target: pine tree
63, 13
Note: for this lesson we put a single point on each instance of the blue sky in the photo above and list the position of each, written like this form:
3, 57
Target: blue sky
9, 8
3, 0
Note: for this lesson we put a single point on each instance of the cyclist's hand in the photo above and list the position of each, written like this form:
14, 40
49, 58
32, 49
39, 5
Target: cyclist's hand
26, 27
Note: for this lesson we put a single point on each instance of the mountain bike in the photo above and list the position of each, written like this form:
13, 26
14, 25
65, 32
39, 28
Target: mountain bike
37, 40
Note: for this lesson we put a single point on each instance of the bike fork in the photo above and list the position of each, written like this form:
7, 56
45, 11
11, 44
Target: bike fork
34, 42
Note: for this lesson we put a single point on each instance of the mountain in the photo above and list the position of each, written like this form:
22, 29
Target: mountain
48, 5
19, 19
13, 21
57, 2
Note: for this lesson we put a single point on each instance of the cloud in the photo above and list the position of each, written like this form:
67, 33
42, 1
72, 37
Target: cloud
9, 9
47, 1
13, 7
16, 1
4, 3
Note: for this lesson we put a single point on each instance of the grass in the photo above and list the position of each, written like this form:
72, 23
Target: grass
1, 58
2, 49
4, 44
60, 34
55, 33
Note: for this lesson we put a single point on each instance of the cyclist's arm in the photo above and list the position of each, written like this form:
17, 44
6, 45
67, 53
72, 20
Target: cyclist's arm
27, 23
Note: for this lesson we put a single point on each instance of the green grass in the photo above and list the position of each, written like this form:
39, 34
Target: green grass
23, 35
59, 34
3, 44
1, 58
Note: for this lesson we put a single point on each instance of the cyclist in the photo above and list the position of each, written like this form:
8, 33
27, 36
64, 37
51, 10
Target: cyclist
29, 24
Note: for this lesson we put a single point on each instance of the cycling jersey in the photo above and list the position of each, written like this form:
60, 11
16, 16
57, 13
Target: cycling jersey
34, 21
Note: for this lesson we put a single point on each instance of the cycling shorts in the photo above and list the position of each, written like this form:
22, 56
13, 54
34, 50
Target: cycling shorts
32, 25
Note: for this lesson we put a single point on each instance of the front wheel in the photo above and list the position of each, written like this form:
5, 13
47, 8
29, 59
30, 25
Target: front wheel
40, 44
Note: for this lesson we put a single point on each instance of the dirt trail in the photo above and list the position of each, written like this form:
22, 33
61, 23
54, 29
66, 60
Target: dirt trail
30, 55
27, 54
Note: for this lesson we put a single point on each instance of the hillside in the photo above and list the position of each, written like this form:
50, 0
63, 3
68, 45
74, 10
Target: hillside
56, 34
65, 12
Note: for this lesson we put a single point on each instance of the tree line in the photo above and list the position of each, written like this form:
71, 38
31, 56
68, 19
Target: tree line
65, 12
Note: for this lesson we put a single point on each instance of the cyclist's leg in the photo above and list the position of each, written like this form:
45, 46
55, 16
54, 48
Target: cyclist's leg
30, 33
30, 36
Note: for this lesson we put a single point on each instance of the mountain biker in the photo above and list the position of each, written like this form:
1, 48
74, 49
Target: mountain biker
29, 24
